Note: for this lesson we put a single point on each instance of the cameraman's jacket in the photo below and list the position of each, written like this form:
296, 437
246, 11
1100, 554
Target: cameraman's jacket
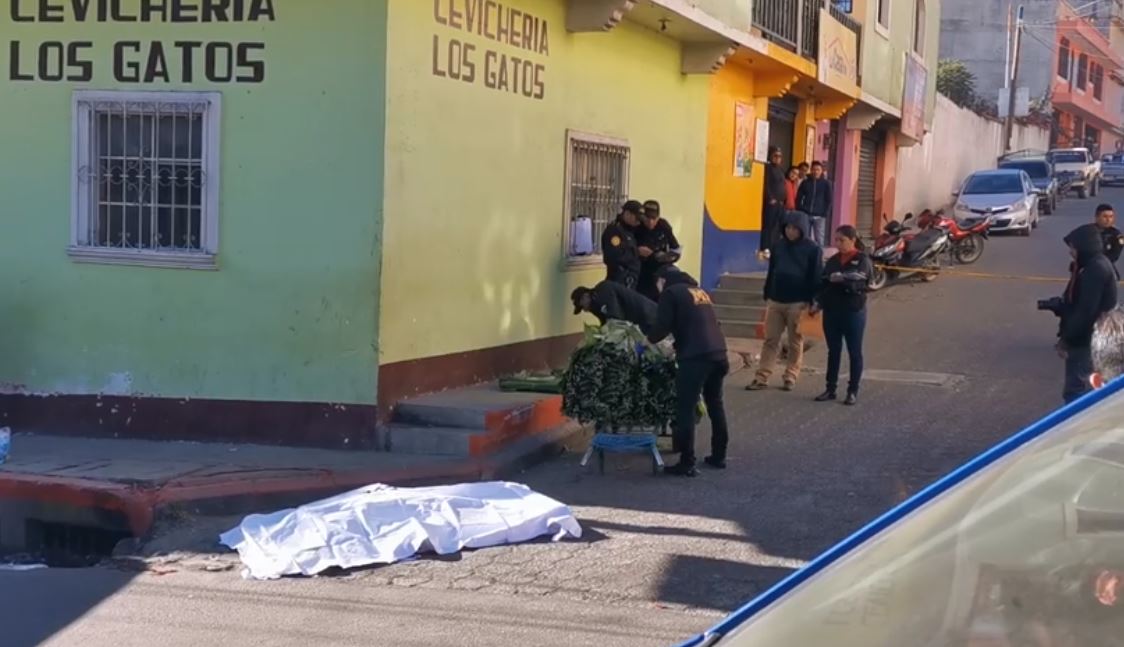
1092, 287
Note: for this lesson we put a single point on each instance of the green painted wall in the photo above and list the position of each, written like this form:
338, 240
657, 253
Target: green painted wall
886, 81
293, 312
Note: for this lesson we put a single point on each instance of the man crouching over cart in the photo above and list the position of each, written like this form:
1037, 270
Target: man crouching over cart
686, 312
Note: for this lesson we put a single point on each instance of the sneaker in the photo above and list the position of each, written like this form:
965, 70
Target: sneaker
826, 396
756, 385
789, 385
852, 399
681, 469
716, 463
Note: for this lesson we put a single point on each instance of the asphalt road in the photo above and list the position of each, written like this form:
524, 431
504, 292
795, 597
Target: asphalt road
661, 558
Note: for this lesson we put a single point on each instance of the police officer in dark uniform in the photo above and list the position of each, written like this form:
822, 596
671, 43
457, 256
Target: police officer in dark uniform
618, 246
687, 313
612, 301
658, 248
1113, 239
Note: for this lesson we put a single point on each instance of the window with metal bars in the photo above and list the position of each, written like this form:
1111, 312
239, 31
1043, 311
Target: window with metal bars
146, 176
597, 183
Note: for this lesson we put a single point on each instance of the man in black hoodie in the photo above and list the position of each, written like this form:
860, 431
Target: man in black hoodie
814, 198
795, 264
1091, 292
686, 312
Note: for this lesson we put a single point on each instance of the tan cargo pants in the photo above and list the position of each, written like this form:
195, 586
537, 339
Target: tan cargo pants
782, 319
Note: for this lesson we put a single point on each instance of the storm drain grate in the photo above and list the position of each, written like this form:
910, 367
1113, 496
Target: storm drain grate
69, 546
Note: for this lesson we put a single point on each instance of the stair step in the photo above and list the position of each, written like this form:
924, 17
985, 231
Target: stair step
749, 282
739, 313
436, 441
743, 329
470, 408
727, 297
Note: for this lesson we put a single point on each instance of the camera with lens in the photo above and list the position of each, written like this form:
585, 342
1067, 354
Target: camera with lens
1053, 304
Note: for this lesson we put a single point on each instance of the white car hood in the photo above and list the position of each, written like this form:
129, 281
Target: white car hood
990, 200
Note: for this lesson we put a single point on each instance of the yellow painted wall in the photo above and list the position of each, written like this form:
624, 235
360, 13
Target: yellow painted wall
475, 180
734, 203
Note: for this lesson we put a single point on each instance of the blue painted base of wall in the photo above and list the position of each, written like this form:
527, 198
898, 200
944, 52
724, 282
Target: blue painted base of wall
727, 252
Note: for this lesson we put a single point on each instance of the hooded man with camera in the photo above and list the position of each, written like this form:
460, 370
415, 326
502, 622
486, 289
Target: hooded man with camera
1090, 293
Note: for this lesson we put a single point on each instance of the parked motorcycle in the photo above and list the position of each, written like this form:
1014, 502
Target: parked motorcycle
899, 254
966, 238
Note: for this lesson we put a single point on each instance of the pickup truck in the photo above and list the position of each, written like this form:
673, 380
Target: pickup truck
1112, 169
1077, 169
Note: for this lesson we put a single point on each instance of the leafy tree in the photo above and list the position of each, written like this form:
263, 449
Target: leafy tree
956, 81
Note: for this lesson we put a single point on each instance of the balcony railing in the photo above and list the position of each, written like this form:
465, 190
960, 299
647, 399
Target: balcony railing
795, 24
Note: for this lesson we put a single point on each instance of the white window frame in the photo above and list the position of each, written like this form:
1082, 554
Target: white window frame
583, 262
81, 196
879, 26
920, 17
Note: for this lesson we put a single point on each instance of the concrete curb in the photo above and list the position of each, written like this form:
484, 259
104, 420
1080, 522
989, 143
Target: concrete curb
261, 490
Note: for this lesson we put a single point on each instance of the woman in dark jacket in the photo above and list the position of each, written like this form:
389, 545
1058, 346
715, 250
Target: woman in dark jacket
842, 297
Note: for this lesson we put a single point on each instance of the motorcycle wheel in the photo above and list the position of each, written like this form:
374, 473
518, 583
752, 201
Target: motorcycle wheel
969, 250
878, 279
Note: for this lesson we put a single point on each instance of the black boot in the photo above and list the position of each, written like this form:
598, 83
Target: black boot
826, 396
715, 462
681, 469
852, 399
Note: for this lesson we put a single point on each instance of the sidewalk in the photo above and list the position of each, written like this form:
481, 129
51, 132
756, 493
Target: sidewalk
137, 478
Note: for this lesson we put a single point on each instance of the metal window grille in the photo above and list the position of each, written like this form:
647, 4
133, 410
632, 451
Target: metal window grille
145, 175
598, 183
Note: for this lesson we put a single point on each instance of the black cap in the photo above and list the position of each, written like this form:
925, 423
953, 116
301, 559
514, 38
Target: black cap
633, 206
576, 297
652, 208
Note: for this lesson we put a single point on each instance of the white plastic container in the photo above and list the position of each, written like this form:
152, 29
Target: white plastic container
5, 444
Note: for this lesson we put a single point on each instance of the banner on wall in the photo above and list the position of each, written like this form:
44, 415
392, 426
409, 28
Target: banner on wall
839, 55
743, 140
913, 99
761, 142
810, 144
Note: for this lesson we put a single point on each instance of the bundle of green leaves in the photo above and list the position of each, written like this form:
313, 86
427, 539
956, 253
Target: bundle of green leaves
617, 378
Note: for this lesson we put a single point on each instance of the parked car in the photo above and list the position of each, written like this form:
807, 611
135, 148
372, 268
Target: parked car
1078, 168
1007, 196
1041, 173
1112, 169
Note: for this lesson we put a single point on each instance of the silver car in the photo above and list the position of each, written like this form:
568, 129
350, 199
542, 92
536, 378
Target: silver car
1006, 196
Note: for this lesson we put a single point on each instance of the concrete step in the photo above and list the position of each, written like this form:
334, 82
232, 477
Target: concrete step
739, 313
754, 282
435, 441
743, 329
722, 296
475, 421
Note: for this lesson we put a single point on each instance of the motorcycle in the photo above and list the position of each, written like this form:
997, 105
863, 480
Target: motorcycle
966, 239
898, 254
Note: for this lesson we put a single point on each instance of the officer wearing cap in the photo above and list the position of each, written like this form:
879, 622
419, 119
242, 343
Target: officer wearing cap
613, 301
658, 247
1113, 239
618, 246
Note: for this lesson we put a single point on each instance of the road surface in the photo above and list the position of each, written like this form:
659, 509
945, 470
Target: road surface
662, 558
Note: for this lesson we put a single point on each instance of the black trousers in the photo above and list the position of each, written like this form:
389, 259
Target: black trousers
703, 376
841, 326
771, 218
624, 277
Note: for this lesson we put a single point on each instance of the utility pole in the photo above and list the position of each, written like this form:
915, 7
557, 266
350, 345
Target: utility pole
1009, 125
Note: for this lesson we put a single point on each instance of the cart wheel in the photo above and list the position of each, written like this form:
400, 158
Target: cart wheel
601, 461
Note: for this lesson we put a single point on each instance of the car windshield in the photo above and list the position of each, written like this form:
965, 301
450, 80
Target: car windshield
993, 183
1033, 169
1068, 157
1023, 546
1114, 159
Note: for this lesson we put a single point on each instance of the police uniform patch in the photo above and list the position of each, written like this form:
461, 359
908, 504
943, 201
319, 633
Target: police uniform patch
1120, 241
615, 241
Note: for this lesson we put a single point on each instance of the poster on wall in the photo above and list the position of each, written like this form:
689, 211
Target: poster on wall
810, 144
743, 140
761, 142
913, 98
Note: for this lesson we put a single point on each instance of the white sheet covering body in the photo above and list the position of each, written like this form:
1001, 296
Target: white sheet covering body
380, 524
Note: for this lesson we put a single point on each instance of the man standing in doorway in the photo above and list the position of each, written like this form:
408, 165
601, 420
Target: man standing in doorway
814, 198
773, 210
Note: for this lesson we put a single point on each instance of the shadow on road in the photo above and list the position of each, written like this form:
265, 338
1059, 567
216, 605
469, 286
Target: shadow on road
36, 605
715, 583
